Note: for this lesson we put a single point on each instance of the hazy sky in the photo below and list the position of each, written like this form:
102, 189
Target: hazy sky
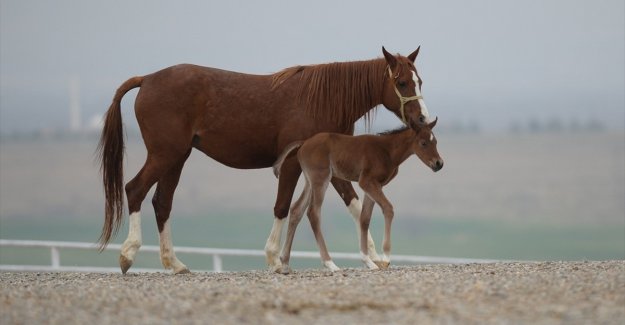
485, 61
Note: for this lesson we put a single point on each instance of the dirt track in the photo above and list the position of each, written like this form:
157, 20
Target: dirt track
549, 292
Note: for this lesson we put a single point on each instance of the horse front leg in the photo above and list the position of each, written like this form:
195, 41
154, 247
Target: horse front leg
286, 186
350, 198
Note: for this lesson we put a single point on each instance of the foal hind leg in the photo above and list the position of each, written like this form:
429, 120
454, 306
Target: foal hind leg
295, 215
319, 184
350, 198
162, 203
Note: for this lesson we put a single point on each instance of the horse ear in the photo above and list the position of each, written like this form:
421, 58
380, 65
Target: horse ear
413, 55
390, 59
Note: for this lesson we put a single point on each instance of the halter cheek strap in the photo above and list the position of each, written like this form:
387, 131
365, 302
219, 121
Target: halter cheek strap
402, 100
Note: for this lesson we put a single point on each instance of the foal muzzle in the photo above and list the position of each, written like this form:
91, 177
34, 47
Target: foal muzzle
436, 164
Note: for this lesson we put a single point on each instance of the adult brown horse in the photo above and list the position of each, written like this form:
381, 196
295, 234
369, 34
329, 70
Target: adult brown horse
243, 121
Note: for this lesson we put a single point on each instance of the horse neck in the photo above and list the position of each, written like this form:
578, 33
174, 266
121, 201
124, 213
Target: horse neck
342, 92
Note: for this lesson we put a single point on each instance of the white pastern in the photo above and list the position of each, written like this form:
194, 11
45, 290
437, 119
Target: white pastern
424, 109
355, 207
272, 246
331, 266
168, 257
386, 258
368, 262
133, 241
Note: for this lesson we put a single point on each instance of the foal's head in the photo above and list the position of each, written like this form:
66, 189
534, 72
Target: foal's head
424, 146
402, 90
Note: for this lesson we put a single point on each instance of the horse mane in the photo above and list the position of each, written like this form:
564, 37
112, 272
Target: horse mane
340, 91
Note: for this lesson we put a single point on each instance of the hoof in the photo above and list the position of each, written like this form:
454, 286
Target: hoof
183, 271
331, 266
285, 269
276, 268
124, 263
382, 264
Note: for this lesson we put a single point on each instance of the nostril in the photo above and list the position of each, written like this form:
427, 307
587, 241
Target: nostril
438, 165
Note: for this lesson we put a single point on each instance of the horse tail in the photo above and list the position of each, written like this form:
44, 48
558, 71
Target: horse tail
110, 152
278, 164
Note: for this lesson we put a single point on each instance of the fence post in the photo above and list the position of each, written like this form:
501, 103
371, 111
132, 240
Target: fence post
55, 257
217, 266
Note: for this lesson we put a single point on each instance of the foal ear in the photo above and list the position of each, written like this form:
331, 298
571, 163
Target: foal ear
433, 124
413, 55
390, 58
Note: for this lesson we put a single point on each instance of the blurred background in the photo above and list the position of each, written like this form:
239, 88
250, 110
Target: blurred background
530, 98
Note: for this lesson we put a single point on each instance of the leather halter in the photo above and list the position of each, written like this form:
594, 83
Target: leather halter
403, 100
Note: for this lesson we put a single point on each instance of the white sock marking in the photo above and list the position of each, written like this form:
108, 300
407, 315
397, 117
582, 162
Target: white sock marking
168, 257
330, 265
368, 262
133, 241
273, 243
355, 207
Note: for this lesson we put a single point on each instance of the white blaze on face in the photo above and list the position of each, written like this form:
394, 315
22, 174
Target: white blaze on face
424, 109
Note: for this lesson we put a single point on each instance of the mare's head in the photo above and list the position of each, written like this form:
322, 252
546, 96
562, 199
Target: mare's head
424, 146
402, 90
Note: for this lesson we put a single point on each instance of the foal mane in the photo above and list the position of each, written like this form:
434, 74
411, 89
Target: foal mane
394, 131
340, 91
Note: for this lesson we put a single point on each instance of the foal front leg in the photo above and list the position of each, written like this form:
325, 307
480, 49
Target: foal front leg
374, 191
365, 218
346, 191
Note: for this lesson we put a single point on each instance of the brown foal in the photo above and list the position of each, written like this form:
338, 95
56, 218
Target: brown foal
372, 161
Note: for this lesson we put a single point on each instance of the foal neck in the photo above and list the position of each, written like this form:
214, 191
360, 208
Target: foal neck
399, 144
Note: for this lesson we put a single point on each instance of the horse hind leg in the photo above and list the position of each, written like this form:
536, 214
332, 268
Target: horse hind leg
136, 190
162, 203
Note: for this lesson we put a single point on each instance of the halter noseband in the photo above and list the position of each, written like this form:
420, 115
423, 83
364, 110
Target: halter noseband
403, 100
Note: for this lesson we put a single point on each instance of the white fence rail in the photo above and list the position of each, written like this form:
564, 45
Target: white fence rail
216, 253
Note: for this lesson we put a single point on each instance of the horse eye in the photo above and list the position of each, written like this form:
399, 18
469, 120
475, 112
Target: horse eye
402, 84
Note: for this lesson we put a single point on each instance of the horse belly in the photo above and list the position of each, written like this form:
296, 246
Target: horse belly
235, 152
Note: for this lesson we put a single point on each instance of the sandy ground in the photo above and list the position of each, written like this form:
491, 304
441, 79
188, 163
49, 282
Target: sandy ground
530, 293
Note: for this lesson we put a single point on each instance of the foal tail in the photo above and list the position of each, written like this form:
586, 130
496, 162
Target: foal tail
111, 155
278, 164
